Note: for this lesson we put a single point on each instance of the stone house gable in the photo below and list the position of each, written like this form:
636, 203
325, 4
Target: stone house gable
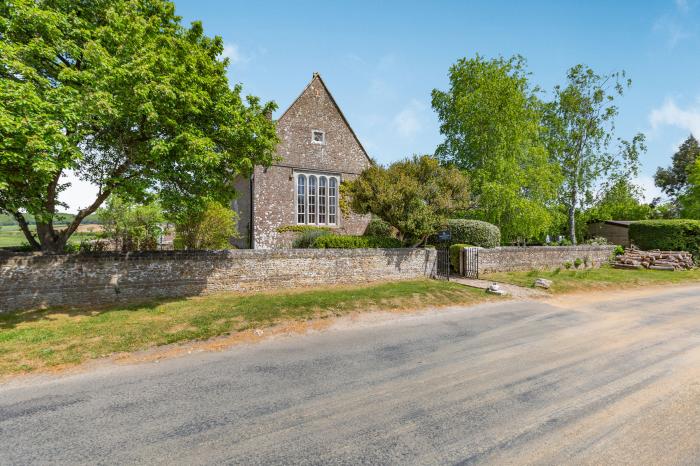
316, 141
316, 109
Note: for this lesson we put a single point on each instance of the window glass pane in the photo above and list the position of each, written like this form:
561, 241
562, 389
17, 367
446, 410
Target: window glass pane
301, 198
322, 199
311, 200
332, 200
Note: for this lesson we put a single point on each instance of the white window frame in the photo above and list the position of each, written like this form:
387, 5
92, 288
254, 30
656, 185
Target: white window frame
323, 137
318, 175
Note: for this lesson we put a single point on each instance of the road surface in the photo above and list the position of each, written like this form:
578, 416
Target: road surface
578, 380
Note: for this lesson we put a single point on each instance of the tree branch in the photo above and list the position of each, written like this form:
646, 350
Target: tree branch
25, 229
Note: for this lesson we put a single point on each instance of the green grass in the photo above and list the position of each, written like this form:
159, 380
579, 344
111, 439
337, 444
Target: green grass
11, 235
32, 340
567, 281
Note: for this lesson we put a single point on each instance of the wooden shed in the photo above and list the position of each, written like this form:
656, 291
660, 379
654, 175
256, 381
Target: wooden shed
615, 231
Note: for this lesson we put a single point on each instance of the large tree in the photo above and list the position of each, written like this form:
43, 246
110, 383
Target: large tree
416, 196
621, 200
491, 118
581, 121
124, 96
673, 180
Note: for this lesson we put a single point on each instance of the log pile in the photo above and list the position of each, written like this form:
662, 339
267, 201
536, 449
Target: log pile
654, 260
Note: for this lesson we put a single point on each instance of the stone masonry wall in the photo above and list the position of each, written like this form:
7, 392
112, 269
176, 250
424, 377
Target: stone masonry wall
507, 259
30, 281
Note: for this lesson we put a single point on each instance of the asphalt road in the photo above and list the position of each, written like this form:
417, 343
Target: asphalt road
574, 381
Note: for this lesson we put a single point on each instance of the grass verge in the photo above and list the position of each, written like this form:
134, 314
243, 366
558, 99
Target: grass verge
568, 281
41, 339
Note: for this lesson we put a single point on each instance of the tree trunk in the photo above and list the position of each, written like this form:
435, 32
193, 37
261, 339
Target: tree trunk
51, 240
572, 217
27, 232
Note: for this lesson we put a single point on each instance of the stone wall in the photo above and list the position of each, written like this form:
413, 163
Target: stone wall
508, 259
30, 281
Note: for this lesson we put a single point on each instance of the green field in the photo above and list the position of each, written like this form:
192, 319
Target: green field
11, 235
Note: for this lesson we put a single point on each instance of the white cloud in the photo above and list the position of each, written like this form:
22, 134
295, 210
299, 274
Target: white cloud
671, 114
673, 31
408, 122
683, 5
234, 54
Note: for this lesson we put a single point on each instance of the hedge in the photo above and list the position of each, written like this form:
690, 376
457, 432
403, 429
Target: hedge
302, 228
474, 232
454, 255
378, 227
667, 235
354, 242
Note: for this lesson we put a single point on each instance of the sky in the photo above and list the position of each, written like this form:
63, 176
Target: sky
382, 59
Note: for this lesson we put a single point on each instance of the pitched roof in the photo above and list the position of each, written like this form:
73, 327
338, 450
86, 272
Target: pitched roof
335, 104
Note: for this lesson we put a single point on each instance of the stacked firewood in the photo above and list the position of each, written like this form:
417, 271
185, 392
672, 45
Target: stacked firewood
654, 260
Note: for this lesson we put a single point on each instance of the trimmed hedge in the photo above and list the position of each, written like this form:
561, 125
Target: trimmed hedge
454, 255
302, 228
474, 232
378, 227
354, 242
306, 238
667, 235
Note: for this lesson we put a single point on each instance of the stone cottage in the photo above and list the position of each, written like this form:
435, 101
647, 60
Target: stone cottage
318, 151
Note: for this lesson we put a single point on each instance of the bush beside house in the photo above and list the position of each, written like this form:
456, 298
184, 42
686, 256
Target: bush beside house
667, 235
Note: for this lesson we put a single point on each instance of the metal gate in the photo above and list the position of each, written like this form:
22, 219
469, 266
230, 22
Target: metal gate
470, 262
443, 264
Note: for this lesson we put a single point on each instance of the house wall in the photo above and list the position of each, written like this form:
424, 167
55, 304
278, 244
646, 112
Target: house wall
30, 281
341, 155
241, 205
615, 234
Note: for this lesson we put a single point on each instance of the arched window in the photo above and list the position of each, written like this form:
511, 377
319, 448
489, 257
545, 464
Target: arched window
322, 199
311, 201
332, 200
301, 199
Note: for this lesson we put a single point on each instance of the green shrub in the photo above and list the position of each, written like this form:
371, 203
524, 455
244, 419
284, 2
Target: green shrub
618, 251
378, 227
568, 265
474, 232
667, 235
597, 241
302, 228
454, 255
307, 238
578, 262
354, 242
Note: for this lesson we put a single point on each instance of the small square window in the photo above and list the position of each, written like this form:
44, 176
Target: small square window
318, 137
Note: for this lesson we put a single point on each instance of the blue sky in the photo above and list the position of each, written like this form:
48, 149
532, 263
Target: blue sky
381, 60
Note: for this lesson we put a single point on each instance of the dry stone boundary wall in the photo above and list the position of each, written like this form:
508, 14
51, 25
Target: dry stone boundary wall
31, 281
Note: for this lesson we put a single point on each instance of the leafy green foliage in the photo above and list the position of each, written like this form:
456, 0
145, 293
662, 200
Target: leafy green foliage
673, 180
416, 196
123, 95
354, 242
491, 119
131, 226
455, 252
211, 227
578, 262
378, 227
668, 235
475, 232
620, 201
302, 228
307, 238
581, 122
618, 251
